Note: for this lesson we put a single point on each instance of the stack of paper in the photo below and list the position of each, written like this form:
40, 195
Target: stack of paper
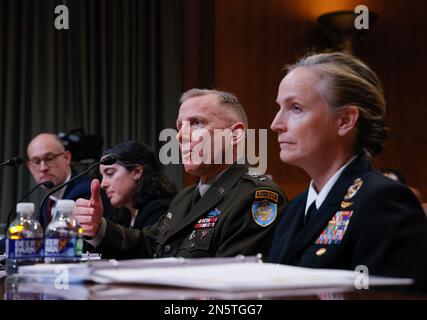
240, 277
237, 274
69, 272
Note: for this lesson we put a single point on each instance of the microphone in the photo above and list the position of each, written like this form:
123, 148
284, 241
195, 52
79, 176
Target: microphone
107, 160
47, 184
14, 162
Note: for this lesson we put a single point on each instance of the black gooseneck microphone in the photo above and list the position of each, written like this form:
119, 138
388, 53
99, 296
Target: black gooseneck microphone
47, 184
107, 160
14, 162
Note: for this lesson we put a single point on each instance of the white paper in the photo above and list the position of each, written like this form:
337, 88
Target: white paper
239, 277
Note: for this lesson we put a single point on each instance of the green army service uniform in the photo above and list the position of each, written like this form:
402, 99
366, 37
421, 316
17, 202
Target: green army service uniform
236, 215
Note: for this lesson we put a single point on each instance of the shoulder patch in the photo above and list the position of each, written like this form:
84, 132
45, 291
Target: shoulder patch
264, 212
267, 194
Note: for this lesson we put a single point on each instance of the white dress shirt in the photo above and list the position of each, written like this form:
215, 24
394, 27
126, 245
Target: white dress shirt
321, 196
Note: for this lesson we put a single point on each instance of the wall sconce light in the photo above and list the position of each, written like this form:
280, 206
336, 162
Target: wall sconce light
339, 28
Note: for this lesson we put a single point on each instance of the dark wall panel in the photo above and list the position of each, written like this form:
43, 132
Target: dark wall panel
252, 40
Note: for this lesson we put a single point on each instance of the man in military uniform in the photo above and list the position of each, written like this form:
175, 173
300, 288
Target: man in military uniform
229, 212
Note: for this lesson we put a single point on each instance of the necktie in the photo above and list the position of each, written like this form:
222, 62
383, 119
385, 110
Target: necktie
196, 197
311, 210
49, 210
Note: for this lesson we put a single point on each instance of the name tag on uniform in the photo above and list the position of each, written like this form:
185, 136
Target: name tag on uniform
336, 228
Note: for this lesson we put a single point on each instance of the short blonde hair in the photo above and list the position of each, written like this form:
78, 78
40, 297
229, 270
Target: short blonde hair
349, 81
224, 98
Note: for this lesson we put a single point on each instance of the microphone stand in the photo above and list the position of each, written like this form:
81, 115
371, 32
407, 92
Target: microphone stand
109, 159
14, 162
47, 184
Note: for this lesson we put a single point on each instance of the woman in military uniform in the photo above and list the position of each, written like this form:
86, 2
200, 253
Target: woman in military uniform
331, 124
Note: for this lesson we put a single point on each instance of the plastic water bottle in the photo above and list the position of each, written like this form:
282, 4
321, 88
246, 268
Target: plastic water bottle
63, 236
24, 239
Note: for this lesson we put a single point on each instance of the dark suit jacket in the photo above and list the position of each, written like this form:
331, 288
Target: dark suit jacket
384, 232
147, 215
75, 190
232, 199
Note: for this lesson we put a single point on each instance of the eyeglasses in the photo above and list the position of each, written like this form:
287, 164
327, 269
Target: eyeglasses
48, 159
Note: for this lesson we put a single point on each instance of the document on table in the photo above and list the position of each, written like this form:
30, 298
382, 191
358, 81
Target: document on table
236, 274
239, 277
79, 272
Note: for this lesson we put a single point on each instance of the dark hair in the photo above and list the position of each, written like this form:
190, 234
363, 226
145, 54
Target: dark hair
349, 81
152, 183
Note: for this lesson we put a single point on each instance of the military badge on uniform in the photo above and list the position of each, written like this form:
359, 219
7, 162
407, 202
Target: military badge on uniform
206, 223
321, 252
264, 212
192, 235
213, 213
352, 190
205, 232
346, 204
336, 228
209, 221
267, 194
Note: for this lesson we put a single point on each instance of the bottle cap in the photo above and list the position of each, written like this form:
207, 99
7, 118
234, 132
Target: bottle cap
64, 205
26, 207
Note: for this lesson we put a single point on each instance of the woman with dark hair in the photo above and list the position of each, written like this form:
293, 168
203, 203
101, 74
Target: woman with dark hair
135, 186
331, 124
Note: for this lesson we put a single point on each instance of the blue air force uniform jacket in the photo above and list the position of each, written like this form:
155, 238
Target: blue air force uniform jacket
366, 219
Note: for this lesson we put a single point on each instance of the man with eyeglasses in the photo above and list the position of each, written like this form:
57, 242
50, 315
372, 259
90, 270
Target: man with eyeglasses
49, 161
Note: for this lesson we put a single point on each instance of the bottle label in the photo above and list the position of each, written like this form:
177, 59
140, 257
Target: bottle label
63, 247
24, 248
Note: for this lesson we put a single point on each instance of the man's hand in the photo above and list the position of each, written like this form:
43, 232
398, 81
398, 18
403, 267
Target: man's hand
89, 212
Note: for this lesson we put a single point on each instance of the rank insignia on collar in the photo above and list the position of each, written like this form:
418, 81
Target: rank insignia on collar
352, 190
169, 215
264, 212
345, 204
